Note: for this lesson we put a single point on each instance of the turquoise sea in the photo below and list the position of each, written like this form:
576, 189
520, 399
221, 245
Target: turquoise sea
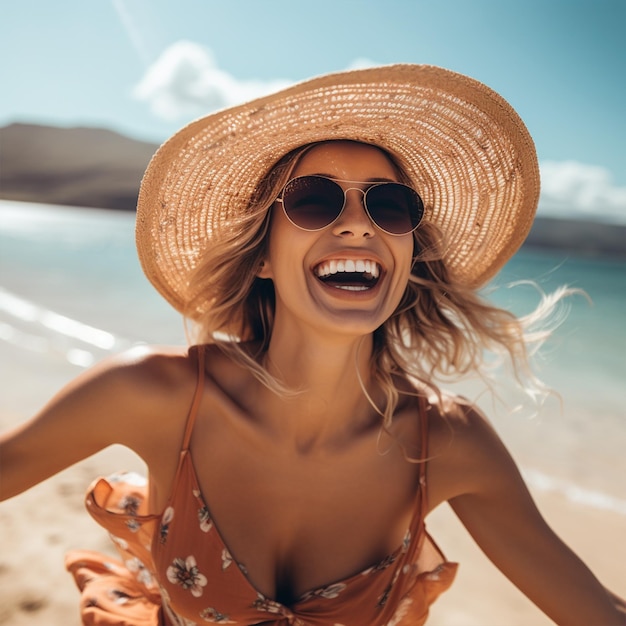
72, 291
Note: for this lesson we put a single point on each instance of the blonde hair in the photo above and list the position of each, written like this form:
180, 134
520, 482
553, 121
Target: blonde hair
440, 330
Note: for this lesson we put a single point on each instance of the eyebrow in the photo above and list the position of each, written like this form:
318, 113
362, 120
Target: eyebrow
381, 179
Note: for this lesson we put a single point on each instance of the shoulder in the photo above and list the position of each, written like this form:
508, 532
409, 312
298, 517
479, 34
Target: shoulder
455, 421
126, 395
466, 455
148, 371
160, 373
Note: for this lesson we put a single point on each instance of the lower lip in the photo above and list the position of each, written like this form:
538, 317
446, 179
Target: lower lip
351, 293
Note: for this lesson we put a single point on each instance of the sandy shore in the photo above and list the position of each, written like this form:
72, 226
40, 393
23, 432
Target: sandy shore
39, 526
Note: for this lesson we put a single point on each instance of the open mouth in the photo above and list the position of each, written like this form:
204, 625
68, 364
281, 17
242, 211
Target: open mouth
349, 275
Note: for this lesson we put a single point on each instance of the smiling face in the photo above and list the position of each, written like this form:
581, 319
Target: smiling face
349, 277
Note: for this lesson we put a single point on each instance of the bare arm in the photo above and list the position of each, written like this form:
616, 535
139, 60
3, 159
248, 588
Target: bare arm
122, 400
481, 481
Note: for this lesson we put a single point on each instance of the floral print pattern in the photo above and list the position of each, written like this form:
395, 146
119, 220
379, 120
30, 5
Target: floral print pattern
188, 580
205, 521
384, 564
227, 559
185, 572
401, 612
328, 592
406, 542
265, 604
141, 572
215, 617
130, 505
166, 520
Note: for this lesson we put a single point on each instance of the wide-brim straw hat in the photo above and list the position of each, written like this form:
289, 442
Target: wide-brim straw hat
468, 153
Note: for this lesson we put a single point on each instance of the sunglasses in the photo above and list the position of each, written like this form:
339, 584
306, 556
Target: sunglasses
315, 202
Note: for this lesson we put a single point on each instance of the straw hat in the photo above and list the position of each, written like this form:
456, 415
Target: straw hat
468, 154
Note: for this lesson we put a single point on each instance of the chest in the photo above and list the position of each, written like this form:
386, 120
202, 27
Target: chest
296, 523
200, 560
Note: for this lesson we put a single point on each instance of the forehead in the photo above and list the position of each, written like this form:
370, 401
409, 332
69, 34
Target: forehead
348, 160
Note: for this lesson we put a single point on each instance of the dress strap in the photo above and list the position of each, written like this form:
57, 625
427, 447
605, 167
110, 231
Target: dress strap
198, 351
423, 462
197, 396
423, 409
416, 526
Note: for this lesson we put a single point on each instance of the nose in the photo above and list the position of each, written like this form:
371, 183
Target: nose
354, 220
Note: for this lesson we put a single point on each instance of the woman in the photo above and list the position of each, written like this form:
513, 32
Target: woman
327, 242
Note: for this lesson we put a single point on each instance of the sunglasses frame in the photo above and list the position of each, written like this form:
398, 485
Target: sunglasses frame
364, 192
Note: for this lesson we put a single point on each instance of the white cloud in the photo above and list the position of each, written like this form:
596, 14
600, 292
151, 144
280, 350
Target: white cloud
185, 82
361, 63
576, 190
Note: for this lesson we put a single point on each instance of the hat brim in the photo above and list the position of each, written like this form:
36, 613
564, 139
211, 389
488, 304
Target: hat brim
468, 153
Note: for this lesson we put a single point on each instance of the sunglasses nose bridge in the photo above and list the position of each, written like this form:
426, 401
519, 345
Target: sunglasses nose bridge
354, 211
347, 203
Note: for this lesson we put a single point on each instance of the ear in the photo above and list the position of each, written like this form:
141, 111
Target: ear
264, 270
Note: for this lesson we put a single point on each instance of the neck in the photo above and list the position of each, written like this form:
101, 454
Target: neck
328, 376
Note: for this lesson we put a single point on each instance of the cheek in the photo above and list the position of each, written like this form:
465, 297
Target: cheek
285, 247
404, 259
273, 236
407, 253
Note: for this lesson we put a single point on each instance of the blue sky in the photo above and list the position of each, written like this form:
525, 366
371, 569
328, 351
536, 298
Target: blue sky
146, 67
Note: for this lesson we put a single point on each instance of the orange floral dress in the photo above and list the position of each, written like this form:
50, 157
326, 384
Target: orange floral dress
176, 570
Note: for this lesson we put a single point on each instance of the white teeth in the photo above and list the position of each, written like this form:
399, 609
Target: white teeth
335, 266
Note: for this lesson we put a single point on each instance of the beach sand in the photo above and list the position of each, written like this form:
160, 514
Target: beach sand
41, 525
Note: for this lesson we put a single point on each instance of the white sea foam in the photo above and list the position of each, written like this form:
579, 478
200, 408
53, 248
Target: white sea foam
44, 327
574, 493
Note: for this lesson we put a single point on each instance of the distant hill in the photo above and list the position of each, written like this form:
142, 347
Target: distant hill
581, 237
88, 167
94, 167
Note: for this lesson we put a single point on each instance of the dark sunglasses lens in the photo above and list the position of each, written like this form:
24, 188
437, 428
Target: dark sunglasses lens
312, 202
394, 207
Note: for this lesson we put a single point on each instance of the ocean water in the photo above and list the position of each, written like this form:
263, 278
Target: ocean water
72, 291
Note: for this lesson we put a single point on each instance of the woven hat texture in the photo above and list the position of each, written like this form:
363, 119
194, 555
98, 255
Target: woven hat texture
468, 153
